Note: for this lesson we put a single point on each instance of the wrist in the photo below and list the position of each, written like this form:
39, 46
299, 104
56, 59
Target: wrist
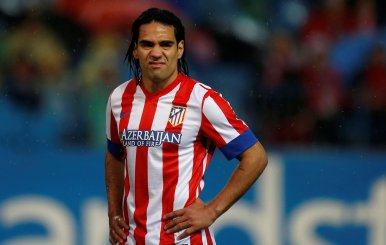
116, 217
215, 211
114, 213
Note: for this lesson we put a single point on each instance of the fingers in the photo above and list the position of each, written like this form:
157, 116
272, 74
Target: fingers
189, 229
173, 215
121, 222
114, 238
193, 218
117, 230
177, 224
186, 233
180, 224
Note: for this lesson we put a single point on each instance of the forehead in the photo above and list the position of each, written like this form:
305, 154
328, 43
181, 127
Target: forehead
156, 31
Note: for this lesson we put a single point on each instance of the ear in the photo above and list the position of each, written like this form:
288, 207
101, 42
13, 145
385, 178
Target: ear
135, 51
180, 48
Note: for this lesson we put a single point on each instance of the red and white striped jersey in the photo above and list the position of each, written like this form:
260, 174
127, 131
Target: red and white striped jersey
167, 139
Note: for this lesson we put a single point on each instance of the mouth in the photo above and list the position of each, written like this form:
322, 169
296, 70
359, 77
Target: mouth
154, 64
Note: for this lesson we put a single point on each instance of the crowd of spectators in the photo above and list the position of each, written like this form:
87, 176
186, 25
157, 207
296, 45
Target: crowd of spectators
301, 73
325, 82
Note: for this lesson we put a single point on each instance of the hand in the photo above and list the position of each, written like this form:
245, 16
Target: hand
117, 228
193, 218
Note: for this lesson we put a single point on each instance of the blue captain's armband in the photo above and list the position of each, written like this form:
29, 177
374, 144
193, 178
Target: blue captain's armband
239, 144
115, 148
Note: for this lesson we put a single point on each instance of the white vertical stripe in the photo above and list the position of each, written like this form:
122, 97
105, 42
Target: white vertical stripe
179, 118
116, 98
185, 241
219, 121
155, 171
204, 238
205, 163
185, 166
130, 238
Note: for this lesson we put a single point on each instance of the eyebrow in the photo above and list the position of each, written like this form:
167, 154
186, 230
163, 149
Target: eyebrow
167, 42
162, 43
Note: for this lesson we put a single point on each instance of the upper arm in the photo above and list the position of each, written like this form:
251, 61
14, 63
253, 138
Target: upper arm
254, 158
110, 158
256, 151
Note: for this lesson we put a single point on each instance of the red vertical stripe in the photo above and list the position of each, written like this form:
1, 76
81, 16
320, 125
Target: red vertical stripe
212, 133
141, 173
196, 238
208, 237
127, 104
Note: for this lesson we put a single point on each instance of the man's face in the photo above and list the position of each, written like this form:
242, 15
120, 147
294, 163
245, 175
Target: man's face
158, 52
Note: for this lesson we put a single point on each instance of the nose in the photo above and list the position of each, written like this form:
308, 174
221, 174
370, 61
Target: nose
156, 52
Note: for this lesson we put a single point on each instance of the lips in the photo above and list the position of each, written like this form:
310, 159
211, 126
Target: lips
156, 64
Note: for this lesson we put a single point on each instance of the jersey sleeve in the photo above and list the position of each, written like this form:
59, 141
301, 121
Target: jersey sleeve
230, 134
114, 145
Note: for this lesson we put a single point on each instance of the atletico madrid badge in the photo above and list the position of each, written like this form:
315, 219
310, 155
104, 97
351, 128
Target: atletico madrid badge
177, 115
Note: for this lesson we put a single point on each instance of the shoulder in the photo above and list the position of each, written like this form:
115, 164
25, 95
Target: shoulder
196, 90
197, 85
120, 89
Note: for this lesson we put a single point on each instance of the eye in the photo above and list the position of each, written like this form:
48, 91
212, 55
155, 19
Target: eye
166, 44
146, 44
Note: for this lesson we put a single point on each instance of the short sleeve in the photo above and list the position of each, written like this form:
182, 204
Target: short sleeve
114, 145
230, 134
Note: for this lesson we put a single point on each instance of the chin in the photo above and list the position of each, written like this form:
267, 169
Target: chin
156, 78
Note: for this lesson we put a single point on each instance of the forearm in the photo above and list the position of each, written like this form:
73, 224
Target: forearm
252, 164
114, 180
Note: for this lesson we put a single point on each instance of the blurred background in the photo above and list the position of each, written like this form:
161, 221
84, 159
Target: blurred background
308, 77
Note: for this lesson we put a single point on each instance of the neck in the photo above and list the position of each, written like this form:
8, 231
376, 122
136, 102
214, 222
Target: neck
155, 85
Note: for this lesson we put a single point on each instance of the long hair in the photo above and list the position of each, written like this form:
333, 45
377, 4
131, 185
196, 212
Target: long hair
161, 16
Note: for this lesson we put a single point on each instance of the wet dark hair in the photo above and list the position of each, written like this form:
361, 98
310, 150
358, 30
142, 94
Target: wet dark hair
161, 16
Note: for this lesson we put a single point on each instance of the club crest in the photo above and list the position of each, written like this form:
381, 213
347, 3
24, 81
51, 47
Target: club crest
177, 115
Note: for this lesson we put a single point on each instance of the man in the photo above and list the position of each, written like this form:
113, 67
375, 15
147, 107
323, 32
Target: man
162, 130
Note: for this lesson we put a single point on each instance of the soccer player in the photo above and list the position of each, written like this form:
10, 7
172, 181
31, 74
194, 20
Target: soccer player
162, 130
